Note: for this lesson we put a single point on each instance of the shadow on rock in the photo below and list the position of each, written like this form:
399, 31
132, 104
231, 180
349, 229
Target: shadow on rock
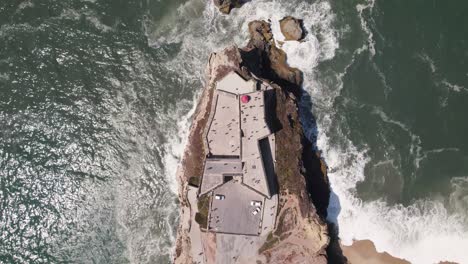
265, 60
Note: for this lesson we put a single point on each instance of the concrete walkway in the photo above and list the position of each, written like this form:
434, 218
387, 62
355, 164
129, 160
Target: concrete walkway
195, 233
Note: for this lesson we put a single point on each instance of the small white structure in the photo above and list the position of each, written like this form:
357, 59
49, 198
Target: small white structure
255, 203
256, 211
219, 197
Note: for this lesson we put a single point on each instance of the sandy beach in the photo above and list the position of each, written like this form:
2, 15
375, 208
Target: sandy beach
364, 252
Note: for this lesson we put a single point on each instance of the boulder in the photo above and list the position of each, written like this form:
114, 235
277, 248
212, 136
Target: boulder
225, 6
266, 59
292, 28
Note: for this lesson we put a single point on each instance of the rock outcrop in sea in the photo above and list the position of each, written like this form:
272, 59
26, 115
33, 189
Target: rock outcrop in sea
300, 234
225, 6
263, 58
292, 28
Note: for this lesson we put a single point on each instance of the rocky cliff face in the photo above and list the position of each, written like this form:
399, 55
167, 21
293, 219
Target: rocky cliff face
300, 234
263, 58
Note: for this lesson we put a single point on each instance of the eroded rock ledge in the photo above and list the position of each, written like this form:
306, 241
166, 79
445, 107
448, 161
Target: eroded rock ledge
300, 235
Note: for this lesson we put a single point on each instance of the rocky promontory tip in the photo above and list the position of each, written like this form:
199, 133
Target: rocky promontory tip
225, 6
292, 28
269, 60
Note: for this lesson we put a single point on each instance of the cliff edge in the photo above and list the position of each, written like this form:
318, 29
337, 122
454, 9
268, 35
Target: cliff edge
286, 214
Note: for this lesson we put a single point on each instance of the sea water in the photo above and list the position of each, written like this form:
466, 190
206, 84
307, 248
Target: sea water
96, 99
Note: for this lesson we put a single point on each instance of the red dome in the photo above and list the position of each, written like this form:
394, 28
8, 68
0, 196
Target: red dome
245, 99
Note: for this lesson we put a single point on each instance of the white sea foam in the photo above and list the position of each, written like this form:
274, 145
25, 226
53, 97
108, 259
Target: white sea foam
365, 26
430, 62
23, 5
415, 148
459, 196
175, 146
454, 87
370, 43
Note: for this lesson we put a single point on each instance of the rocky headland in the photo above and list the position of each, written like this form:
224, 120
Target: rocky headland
300, 234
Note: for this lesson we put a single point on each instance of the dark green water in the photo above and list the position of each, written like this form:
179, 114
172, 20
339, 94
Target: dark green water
412, 93
96, 98
86, 112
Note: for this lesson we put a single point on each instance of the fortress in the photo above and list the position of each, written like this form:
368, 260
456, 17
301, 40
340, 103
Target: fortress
248, 171
239, 170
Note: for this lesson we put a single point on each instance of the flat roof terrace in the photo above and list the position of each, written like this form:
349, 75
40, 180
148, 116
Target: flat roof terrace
216, 170
223, 136
253, 122
255, 128
233, 214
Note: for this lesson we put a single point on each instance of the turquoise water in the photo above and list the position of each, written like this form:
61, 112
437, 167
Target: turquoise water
96, 98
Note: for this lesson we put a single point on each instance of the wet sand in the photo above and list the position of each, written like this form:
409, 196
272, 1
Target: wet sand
364, 252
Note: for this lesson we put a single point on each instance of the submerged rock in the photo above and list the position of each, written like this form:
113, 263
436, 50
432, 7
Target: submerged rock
225, 6
292, 28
